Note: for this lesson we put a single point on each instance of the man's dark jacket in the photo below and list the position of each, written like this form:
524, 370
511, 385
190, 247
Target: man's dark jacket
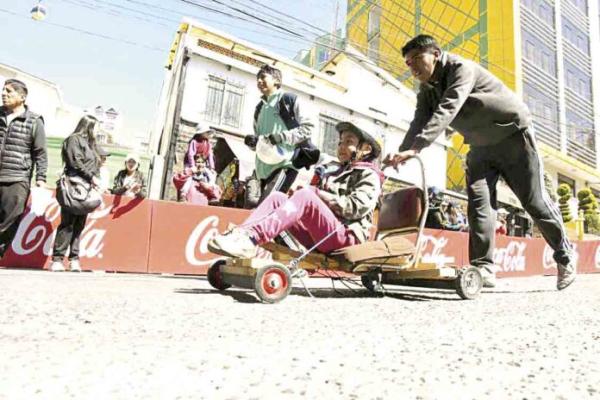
22, 146
470, 99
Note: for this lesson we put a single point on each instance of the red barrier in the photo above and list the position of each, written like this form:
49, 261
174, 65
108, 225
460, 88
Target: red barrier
132, 235
115, 238
180, 233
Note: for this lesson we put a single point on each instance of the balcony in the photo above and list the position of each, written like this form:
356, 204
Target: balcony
582, 152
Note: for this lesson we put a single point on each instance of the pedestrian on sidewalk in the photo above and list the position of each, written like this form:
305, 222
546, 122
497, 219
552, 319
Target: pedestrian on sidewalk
22, 147
281, 125
81, 159
342, 204
459, 93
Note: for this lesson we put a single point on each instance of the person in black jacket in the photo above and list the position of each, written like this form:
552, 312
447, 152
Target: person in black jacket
79, 154
22, 147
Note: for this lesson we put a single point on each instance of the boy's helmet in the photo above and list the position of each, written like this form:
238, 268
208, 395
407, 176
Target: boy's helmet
375, 139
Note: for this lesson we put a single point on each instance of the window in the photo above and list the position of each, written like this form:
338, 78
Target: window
541, 9
374, 32
580, 130
578, 81
581, 5
544, 108
575, 36
329, 136
538, 53
224, 101
571, 182
374, 27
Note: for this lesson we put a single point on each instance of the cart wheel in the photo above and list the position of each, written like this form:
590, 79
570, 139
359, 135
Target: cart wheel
469, 283
372, 282
215, 278
273, 283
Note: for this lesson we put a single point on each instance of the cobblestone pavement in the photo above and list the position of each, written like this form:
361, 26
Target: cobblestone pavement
122, 336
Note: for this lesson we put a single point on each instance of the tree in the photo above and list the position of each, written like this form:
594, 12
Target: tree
564, 195
589, 205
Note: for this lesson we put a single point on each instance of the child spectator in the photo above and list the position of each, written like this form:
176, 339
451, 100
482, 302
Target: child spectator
342, 204
200, 144
130, 181
197, 185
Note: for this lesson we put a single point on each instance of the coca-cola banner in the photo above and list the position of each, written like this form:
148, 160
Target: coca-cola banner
134, 235
512, 256
116, 236
180, 234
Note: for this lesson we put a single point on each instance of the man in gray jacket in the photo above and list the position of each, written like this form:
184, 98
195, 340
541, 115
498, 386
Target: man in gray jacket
497, 125
22, 146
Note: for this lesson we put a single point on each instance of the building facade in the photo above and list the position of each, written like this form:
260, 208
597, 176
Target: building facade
539, 48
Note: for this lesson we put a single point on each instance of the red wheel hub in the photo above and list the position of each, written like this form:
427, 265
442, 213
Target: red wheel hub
274, 281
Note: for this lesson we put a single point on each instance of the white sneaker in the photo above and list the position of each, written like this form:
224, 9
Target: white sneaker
566, 275
489, 277
57, 266
236, 243
75, 266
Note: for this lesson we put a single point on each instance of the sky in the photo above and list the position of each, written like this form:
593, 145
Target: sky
112, 52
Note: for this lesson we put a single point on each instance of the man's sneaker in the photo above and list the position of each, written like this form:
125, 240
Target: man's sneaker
236, 243
75, 266
488, 276
566, 275
57, 266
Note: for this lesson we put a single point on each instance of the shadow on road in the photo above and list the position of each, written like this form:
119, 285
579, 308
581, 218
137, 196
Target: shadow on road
361, 293
242, 297
327, 293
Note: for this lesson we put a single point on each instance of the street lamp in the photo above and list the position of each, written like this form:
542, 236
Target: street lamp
39, 11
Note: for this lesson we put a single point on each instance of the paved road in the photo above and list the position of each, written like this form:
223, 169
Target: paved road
121, 336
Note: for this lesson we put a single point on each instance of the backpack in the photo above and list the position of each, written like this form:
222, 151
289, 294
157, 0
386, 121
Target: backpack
306, 153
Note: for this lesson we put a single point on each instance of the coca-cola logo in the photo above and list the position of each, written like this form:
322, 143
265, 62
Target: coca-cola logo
196, 247
197, 243
436, 254
35, 232
510, 258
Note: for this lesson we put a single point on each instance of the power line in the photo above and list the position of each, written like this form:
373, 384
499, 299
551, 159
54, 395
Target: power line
112, 11
85, 32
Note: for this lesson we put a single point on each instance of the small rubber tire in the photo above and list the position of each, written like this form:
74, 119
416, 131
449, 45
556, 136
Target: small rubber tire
215, 277
372, 282
273, 283
469, 283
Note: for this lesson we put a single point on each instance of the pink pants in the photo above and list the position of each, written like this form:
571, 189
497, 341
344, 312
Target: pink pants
304, 215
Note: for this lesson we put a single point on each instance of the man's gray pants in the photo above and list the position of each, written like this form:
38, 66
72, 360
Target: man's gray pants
517, 160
